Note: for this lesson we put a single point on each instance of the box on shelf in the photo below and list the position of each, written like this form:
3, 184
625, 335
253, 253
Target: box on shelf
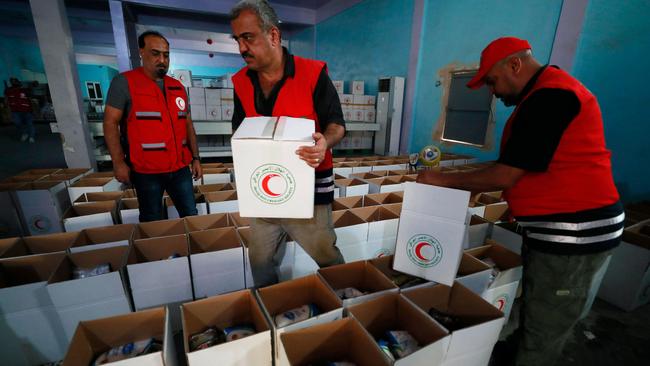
213, 97
338, 85
357, 87
198, 112
213, 113
196, 95
184, 76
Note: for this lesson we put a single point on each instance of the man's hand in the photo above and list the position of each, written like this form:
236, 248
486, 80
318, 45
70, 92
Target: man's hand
122, 172
197, 171
314, 155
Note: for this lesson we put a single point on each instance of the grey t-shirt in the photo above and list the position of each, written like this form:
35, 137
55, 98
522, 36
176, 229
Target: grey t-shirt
119, 96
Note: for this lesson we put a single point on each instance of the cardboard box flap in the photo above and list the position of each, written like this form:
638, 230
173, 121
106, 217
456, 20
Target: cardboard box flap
238, 221
92, 182
103, 196
159, 228
205, 222
129, 204
222, 311
160, 248
12, 247
340, 340
457, 300
256, 128
294, 129
345, 218
298, 292
245, 235
441, 202
213, 240
220, 196
469, 265
394, 312
115, 256
77, 171
342, 203
94, 337
26, 270
101, 175
215, 171
361, 275
106, 234
50, 243
374, 213
215, 187
92, 208
42, 185
45, 171
504, 259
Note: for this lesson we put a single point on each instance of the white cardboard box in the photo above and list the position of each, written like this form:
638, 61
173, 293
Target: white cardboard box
85, 185
231, 309
338, 85
31, 332
245, 236
279, 298
217, 262
228, 97
273, 182
156, 280
207, 222
103, 237
222, 201
201, 206
33, 245
90, 215
357, 87
626, 283
198, 112
385, 184
473, 274
213, 112
216, 175
227, 111
393, 311
41, 206
432, 229
93, 297
196, 95
360, 275
483, 321
351, 187
213, 97
184, 76
94, 337
347, 98
129, 211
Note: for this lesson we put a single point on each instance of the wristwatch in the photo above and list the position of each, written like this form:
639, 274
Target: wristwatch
196, 158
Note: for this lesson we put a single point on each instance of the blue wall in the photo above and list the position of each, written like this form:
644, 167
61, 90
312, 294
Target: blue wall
302, 43
455, 32
99, 73
369, 40
611, 60
17, 54
207, 70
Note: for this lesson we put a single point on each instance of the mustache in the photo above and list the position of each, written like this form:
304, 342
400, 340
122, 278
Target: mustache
161, 65
246, 55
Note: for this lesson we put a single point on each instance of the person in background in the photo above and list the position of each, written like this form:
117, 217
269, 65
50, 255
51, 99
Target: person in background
21, 109
277, 83
555, 171
149, 132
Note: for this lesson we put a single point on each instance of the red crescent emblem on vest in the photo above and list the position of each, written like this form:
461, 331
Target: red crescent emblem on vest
265, 185
418, 250
501, 303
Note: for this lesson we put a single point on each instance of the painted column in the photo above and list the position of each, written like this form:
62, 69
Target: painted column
414, 57
126, 39
55, 42
567, 33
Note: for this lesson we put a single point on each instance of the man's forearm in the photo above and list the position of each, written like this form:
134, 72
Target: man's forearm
493, 178
191, 138
112, 138
333, 134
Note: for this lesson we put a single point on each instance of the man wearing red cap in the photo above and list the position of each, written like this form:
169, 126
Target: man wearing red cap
555, 172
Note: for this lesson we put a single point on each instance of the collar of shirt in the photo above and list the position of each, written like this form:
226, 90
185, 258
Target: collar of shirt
531, 83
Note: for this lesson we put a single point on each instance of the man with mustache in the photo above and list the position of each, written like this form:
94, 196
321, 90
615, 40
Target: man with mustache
149, 132
556, 175
277, 83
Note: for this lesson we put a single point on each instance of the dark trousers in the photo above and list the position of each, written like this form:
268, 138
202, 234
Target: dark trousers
24, 123
150, 188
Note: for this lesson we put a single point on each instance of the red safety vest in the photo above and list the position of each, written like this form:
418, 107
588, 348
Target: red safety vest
157, 124
18, 100
295, 99
579, 176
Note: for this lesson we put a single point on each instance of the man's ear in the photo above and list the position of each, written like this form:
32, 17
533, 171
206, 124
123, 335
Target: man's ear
275, 36
515, 64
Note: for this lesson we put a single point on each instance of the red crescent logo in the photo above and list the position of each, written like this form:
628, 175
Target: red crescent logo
418, 250
265, 185
501, 303
37, 223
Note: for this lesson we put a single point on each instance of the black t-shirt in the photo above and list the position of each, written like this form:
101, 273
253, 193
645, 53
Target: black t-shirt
326, 100
538, 127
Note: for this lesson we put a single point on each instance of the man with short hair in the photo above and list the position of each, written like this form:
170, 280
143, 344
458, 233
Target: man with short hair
277, 83
555, 171
149, 132
21, 109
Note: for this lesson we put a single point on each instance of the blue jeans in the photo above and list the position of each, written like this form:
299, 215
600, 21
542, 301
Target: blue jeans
150, 188
24, 123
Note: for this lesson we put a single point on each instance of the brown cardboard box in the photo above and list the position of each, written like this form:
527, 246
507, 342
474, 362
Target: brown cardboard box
98, 197
30, 245
344, 203
238, 221
217, 261
89, 215
216, 187
340, 340
360, 275
207, 222
159, 228
103, 237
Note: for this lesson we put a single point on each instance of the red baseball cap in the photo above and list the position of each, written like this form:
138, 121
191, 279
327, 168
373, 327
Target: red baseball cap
496, 51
